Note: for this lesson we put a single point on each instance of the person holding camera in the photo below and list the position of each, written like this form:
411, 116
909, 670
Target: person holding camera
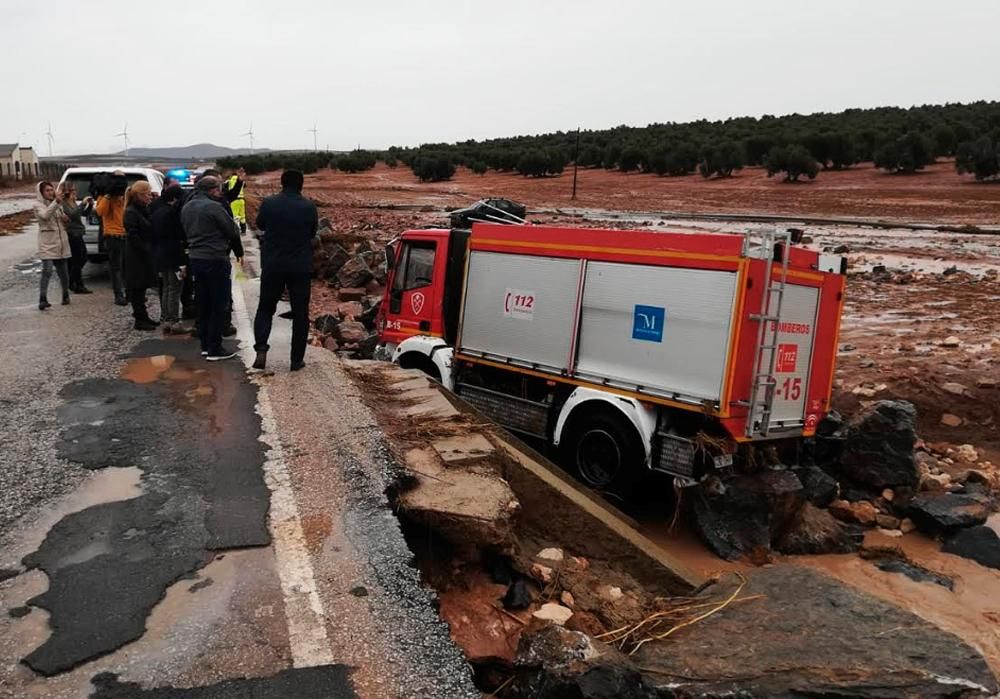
110, 206
75, 211
53, 243
140, 272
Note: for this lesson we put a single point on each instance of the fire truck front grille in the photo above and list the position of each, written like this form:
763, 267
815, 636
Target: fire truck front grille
514, 413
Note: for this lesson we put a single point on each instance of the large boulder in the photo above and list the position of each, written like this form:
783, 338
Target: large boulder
980, 544
556, 663
945, 513
355, 273
747, 513
808, 635
879, 443
816, 531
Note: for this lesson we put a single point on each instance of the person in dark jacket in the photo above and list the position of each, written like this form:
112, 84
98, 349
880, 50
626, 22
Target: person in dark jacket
169, 255
75, 211
289, 223
211, 234
139, 272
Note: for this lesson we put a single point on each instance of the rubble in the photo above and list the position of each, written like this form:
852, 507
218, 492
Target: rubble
816, 531
951, 420
861, 512
556, 613
818, 487
943, 513
555, 662
879, 444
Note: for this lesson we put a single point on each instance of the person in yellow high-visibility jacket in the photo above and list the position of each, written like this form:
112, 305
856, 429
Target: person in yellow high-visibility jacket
234, 190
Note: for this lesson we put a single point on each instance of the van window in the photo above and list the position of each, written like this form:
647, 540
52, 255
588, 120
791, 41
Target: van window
416, 266
81, 181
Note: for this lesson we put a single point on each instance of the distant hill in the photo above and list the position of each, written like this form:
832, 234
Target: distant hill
199, 151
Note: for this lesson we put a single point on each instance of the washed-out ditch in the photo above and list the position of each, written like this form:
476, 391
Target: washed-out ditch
547, 588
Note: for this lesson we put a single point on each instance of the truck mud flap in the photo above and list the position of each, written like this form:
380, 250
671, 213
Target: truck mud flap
513, 413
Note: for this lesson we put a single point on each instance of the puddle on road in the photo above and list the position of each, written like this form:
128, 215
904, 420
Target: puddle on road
107, 485
147, 369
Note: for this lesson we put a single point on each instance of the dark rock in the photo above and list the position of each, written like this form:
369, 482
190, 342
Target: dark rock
914, 572
841, 249
950, 270
879, 443
326, 324
332, 261
351, 294
370, 314
747, 515
830, 425
847, 643
366, 348
556, 663
518, 595
944, 513
980, 544
359, 591
355, 273
8, 573
818, 487
815, 531
18, 612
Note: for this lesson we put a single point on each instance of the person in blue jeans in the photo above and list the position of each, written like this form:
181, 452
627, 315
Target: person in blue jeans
210, 234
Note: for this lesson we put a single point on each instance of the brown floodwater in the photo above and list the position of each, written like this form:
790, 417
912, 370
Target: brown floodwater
147, 369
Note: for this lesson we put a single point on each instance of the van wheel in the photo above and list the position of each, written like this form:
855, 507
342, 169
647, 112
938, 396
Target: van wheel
605, 453
415, 360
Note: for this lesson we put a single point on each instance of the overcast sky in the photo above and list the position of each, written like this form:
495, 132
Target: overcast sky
404, 72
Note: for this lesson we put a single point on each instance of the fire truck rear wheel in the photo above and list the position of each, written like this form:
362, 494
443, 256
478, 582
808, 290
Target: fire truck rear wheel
605, 453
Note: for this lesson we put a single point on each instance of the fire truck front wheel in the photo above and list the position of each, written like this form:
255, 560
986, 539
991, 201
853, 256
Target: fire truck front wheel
605, 452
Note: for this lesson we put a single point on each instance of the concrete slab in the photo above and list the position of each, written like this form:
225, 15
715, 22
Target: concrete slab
463, 448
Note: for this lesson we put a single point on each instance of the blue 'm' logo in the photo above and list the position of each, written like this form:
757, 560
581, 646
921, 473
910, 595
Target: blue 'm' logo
647, 323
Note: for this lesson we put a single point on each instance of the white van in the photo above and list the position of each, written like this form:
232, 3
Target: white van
81, 178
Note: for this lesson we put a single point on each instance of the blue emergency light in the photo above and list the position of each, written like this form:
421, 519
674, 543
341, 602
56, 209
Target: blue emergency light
180, 174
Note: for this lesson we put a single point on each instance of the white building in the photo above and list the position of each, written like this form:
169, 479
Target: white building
18, 162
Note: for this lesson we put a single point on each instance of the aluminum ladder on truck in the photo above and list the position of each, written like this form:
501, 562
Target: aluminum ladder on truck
760, 407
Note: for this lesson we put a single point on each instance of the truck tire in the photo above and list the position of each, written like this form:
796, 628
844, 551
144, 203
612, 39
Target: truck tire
605, 453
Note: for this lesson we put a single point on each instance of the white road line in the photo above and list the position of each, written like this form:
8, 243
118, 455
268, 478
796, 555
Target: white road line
303, 608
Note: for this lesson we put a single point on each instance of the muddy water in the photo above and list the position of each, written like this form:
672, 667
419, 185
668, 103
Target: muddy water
971, 611
147, 369
107, 485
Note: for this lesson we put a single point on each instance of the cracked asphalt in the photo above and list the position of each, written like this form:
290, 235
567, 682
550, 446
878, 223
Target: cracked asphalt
174, 528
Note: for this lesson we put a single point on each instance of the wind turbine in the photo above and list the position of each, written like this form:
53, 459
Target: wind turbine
313, 131
48, 135
250, 134
124, 135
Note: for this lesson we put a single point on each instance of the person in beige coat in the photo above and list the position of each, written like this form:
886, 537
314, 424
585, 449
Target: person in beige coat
53, 243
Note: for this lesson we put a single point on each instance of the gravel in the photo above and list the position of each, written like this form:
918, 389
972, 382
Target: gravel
41, 353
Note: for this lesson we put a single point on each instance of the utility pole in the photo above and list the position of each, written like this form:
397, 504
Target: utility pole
576, 161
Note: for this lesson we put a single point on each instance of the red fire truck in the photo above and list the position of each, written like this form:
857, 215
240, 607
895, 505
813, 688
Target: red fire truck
627, 350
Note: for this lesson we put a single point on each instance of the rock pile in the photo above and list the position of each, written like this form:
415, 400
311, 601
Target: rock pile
869, 472
354, 269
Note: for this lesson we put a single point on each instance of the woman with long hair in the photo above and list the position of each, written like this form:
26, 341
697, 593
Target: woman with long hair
169, 255
53, 243
140, 272
75, 211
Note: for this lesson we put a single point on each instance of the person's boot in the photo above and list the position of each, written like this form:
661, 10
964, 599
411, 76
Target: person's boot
43, 303
297, 365
260, 362
81, 289
144, 324
120, 299
65, 298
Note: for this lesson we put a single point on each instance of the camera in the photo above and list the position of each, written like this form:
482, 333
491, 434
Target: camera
108, 183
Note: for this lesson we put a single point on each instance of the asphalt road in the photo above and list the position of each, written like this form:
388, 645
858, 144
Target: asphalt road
175, 528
